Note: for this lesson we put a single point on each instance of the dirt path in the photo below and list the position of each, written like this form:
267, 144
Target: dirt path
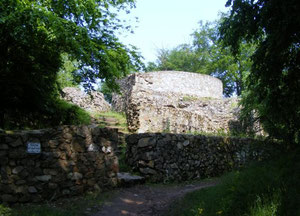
145, 200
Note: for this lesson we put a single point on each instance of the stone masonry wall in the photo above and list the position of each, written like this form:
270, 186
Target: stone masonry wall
48, 164
177, 102
163, 157
167, 83
200, 115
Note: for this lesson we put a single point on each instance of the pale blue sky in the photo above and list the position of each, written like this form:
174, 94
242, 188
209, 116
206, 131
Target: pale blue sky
168, 23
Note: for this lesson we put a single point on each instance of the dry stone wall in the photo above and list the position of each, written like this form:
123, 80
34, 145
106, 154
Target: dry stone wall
93, 102
167, 83
177, 102
168, 157
48, 164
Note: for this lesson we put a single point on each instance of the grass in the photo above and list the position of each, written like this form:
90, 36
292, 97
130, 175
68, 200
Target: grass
86, 205
72, 114
119, 117
57, 112
189, 98
262, 189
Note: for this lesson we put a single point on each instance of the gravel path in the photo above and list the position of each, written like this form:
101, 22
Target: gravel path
147, 200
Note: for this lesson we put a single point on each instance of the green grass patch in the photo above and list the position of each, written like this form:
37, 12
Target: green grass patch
189, 98
86, 205
120, 118
68, 113
123, 166
116, 115
264, 188
57, 112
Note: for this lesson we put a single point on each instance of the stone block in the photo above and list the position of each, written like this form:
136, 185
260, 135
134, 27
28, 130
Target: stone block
75, 176
32, 189
44, 178
8, 198
17, 170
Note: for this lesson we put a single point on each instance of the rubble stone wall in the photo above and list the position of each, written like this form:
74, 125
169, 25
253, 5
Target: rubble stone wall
48, 164
177, 102
201, 115
168, 83
93, 102
179, 157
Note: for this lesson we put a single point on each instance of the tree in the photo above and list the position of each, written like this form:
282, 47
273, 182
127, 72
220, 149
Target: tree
273, 86
33, 36
65, 77
181, 58
207, 55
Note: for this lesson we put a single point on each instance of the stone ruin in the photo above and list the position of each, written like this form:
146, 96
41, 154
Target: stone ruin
177, 102
93, 102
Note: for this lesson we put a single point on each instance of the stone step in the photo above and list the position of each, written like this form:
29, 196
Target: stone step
109, 119
127, 179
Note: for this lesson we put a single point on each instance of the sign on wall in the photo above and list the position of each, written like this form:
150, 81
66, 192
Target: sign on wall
33, 147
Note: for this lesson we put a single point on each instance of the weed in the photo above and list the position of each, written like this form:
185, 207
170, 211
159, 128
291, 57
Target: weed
263, 188
5, 211
120, 118
266, 206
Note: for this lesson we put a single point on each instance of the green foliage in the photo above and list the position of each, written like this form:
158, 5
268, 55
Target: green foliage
266, 206
106, 91
35, 34
5, 211
69, 114
273, 84
65, 77
264, 188
181, 58
207, 55
59, 112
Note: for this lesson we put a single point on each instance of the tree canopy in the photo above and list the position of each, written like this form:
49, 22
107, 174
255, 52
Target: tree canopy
273, 86
35, 33
207, 55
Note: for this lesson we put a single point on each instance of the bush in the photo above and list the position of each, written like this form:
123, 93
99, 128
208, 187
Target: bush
69, 114
264, 188
56, 112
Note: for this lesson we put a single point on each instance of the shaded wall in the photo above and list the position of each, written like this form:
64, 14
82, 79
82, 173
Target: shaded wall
179, 157
61, 162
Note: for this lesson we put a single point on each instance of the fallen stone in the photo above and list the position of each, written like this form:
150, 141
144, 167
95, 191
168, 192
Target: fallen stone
32, 189
17, 170
127, 179
75, 176
147, 171
44, 178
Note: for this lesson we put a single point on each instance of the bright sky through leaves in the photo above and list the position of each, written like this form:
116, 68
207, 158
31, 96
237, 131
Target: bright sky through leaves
168, 23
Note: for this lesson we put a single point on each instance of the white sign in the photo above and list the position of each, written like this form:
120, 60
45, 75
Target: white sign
34, 147
93, 148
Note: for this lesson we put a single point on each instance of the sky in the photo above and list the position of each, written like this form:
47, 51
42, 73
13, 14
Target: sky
167, 23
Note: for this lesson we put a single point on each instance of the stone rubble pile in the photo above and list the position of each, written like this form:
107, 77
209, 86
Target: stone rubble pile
93, 102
